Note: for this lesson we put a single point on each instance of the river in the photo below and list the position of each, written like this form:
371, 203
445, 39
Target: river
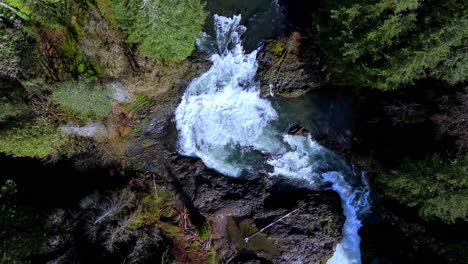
223, 121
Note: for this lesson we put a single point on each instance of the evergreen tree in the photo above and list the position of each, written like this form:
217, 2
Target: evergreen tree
164, 29
52, 13
437, 188
389, 43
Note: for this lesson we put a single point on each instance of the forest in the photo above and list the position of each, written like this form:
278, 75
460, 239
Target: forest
96, 138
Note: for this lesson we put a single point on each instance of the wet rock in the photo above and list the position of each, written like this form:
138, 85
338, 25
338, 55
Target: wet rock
289, 67
310, 233
308, 236
298, 130
238, 207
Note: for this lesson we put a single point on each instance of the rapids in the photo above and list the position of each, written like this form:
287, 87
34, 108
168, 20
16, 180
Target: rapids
223, 121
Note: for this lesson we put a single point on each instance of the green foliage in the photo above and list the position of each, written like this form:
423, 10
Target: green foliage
389, 43
106, 10
30, 139
278, 48
86, 99
103, 44
164, 29
10, 46
203, 232
57, 36
22, 10
11, 109
141, 101
18, 58
52, 13
74, 61
213, 258
152, 207
237, 232
12, 100
20, 5
438, 188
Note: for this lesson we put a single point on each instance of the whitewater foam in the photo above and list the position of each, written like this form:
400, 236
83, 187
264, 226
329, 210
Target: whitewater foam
222, 118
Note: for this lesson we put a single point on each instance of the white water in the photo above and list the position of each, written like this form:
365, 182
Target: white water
222, 119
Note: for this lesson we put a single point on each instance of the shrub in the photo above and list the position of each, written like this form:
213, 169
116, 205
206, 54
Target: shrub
164, 29
438, 188
61, 57
86, 99
31, 139
103, 44
386, 44
10, 43
140, 101
52, 13
74, 61
11, 109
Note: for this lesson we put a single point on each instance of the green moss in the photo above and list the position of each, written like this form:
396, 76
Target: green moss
277, 48
74, 61
237, 232
203, 232
213, 256
31, 139
86, 99
153, 207
50, 13
20, 6
106, 10
325, 259
328, 228
141, 101
10, 109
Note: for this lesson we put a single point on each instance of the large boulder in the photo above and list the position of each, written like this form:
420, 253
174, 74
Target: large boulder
238, 207
289, 67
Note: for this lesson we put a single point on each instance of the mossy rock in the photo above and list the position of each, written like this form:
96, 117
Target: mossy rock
238, 230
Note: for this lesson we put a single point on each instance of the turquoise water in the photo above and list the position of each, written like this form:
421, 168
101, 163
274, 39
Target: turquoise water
223, 121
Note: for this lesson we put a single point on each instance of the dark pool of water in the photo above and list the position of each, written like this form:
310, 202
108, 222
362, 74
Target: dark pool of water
326, 113
263, 19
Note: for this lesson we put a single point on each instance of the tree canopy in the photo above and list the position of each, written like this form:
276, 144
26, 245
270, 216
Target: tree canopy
164, 29
437, 188
386, 44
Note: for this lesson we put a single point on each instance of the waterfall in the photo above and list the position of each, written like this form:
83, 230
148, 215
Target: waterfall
223, 121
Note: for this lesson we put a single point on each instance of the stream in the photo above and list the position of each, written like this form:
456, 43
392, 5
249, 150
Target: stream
223, 121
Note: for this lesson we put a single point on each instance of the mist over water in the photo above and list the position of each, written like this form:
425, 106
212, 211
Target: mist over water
223, 121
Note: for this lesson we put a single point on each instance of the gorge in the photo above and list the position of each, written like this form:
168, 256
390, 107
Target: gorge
223, 121
233, 131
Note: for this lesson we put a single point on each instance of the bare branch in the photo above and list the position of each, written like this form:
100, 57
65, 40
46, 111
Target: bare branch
7, 6
268, 226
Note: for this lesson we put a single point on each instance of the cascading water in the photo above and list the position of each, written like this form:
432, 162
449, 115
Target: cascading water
223, 121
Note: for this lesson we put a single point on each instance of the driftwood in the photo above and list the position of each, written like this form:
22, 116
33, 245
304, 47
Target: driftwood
268, 226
